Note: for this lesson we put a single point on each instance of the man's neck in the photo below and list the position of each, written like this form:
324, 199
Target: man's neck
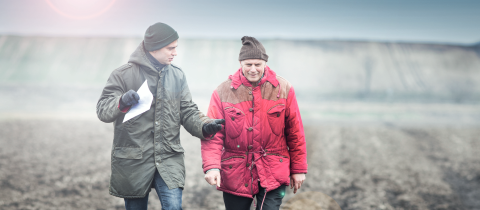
158, 66
254, 84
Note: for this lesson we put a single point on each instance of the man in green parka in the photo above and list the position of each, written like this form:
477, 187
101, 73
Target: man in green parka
146, 151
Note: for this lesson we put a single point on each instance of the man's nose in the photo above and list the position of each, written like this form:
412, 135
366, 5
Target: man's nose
174, 52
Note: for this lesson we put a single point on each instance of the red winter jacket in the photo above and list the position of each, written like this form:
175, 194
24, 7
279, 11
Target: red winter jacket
263, 139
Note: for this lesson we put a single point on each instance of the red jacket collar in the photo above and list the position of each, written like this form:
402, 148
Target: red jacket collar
238, 78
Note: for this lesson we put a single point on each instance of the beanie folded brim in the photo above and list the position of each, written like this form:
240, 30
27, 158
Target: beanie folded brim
152, 46
253, 54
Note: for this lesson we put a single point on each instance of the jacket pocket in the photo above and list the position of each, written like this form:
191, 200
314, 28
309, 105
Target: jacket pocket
234, 122
232, 157
128, 152
131, 121
280, 166
232, 170
276, 118
177, 148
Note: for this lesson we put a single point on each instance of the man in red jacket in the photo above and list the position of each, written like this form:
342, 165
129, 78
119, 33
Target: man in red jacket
262, 148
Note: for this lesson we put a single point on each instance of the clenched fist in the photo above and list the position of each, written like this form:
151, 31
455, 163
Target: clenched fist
129, 98
213, 127
213, 177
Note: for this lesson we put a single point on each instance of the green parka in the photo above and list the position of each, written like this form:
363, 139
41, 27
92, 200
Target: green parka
150, 141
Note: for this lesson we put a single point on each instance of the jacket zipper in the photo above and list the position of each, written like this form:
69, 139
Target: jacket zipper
253, 157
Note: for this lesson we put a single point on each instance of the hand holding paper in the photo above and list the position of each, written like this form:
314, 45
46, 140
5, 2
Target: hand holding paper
143, 104
128, 99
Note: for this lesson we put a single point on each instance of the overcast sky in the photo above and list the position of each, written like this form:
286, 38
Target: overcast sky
385, 20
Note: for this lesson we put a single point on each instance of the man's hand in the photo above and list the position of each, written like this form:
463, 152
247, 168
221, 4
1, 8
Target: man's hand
213, 177
213, 127
296, 181
129, 98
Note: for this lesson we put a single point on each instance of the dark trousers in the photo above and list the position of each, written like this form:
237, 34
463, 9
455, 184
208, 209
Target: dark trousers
273, 200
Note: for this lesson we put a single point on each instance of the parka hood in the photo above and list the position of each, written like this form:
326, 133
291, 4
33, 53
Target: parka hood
140, 58
238, 78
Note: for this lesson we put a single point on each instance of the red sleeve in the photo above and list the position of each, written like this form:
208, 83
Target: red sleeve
212, 148
295, 136
124, 110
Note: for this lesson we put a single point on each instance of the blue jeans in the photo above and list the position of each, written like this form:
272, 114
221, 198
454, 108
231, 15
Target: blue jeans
170, 199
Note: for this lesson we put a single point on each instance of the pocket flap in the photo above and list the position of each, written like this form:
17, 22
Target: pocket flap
177, 148
276, 109
232, 111
128, 152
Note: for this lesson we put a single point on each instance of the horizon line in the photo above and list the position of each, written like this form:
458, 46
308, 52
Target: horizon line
305, 39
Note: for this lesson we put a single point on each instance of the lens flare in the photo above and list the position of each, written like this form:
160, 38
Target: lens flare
80, 5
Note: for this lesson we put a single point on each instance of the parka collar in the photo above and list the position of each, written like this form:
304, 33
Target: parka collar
238, 78
140, 58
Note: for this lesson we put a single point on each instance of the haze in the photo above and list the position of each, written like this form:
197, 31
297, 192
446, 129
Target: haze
409, 21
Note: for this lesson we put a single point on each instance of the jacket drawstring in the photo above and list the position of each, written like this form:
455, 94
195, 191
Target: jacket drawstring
263, 153
263, 201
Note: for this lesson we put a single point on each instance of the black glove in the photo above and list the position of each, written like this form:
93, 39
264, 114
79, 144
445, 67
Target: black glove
213, 127
129, 98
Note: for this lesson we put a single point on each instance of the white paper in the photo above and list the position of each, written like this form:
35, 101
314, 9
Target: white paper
143, 104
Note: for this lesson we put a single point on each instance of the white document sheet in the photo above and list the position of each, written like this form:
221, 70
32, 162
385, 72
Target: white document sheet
143, 104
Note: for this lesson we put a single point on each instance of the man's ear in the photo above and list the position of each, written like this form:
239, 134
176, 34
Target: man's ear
240, 63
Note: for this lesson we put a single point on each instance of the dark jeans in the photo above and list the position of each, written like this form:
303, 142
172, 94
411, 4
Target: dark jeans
273, 200
170, 199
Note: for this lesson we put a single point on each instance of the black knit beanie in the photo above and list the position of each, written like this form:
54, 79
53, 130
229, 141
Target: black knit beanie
158, 36
252, 49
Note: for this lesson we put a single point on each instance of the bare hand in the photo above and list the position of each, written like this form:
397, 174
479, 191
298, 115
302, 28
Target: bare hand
213, 177
296, 181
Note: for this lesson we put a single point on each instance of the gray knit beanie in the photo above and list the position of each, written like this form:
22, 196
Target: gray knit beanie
252, 49
158, 36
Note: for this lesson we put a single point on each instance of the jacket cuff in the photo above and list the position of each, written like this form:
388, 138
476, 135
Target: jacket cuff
208, 136
123, 109
212, 169
298, 171
208, 167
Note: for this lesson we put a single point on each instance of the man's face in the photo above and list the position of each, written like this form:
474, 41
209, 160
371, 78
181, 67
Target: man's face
253, 69
166, 54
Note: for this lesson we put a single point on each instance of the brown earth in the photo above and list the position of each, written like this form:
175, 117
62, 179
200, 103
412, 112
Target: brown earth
65, 164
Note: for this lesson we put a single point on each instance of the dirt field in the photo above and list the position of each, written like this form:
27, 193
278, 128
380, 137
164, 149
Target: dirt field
62, 164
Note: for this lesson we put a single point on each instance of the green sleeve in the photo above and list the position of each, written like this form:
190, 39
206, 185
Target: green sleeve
192, 119
107, 105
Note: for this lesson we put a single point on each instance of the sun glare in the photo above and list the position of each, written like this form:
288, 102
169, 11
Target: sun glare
80, 9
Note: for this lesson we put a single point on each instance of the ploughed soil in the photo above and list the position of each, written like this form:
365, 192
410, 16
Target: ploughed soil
65, 164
